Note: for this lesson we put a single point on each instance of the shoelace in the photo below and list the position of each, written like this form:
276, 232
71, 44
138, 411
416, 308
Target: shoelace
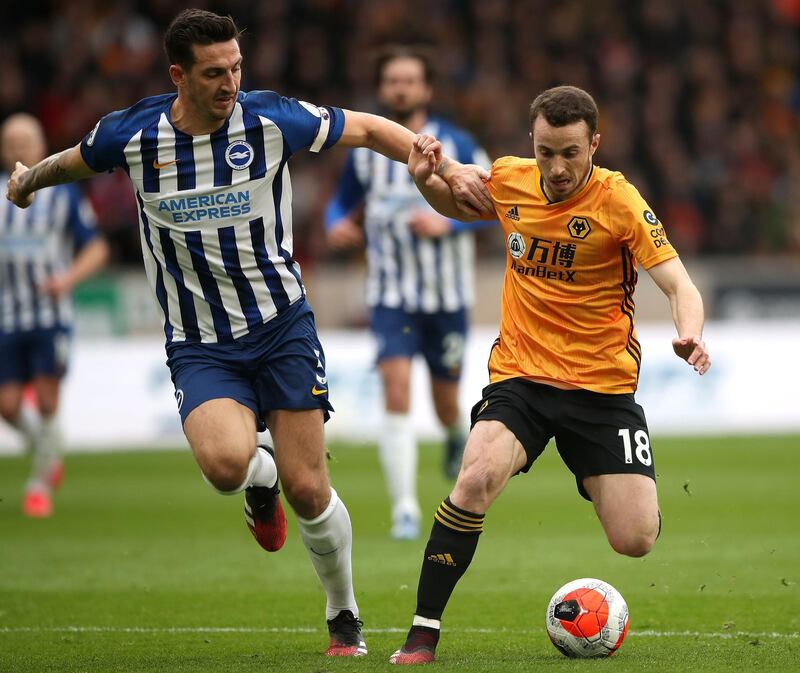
347, 625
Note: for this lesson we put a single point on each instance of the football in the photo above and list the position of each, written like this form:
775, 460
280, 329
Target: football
587, 618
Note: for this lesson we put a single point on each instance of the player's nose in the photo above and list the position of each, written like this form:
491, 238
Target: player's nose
229, 84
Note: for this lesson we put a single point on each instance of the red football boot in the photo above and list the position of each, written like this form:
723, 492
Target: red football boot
419, 648
346, 639
264, 514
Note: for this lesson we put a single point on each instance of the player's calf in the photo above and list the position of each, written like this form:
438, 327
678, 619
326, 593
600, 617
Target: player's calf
449, 552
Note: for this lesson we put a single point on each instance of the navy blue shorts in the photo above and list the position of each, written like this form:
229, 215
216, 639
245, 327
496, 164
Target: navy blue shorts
37, 352
278, 365
439, 337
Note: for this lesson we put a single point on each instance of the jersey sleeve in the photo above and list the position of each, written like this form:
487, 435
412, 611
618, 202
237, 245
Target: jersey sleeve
636, 227
498, 174
303, 125
81, 219
349, 193
103, 149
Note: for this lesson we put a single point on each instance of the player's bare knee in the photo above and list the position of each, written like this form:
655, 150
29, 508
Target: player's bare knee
226, 472
307, 495
635, 544
477, 485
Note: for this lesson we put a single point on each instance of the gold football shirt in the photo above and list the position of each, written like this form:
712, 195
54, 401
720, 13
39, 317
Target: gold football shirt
567, 304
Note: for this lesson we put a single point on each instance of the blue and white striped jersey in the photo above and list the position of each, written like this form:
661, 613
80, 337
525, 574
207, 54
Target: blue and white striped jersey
37, 243
417, 274
215, 210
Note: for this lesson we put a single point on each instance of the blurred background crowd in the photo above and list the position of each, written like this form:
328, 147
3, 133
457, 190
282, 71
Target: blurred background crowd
699, 99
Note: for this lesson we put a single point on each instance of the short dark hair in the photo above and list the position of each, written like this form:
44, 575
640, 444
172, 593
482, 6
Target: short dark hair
196, 26
563, 105
393, 52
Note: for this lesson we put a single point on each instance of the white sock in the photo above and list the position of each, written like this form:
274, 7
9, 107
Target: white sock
329, 540
398, 452
47, 450
27, 424
261, 471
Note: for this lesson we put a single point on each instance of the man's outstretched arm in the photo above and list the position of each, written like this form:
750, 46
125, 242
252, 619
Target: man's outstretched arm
66, 166
382, 135
687, 312
395, 141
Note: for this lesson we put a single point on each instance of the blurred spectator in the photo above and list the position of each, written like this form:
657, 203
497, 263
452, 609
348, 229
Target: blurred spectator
699, 99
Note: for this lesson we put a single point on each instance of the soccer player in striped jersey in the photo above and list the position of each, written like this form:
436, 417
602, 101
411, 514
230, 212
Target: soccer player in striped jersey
210, 175
419, 276
44, 252
566, 362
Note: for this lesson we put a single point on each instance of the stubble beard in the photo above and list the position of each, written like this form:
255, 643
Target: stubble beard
404, 115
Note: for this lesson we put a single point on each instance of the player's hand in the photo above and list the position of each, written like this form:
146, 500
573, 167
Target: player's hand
56, 286
426, 154
13, 192
345, 234
429, 225
468, 184
693, 350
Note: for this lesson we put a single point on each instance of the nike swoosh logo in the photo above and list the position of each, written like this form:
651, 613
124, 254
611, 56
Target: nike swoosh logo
159, 166
324, 553
318, 391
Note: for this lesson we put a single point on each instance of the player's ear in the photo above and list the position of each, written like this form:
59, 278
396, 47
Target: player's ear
595, 143
176, 74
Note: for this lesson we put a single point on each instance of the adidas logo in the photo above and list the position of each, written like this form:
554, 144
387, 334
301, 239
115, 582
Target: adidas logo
513, 214
444, 559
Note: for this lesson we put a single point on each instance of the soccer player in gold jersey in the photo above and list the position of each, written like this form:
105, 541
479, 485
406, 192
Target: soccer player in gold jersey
566, 362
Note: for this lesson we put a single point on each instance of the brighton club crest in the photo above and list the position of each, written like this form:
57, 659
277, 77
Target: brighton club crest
239, 155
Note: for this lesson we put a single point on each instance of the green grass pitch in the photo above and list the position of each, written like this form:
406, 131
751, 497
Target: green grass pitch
143, 568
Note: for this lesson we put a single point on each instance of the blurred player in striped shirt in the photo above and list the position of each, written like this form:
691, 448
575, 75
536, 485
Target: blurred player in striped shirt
210, 175
44, 252
419, 276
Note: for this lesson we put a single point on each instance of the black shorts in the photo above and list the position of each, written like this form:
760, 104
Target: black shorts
596, 433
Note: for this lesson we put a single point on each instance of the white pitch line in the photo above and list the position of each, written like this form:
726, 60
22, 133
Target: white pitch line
647, 633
